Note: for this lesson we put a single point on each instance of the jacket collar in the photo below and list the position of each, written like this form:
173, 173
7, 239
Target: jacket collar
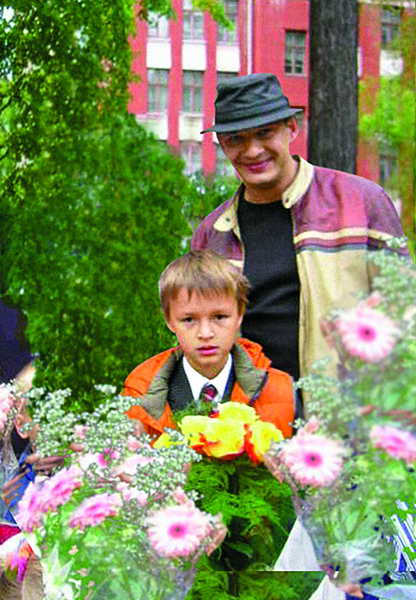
227, 221
250, 379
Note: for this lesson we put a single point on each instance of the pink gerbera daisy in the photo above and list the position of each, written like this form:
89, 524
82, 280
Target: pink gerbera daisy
59, 489
398, 443
178, 530
313, 459
30, 508
367, 333
94, 510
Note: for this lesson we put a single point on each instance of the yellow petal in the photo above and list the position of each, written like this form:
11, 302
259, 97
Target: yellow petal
237, 411
192, 427
164, 441
226, 438
263, 434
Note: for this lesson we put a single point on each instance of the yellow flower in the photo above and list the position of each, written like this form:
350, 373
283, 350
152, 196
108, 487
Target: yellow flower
226, 439
259, 438
164, 441
215, 437
193, 427
237, 412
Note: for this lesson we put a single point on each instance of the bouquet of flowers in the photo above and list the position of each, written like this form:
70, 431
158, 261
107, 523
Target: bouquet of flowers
354, 458
232, 478
115, 521
10, 404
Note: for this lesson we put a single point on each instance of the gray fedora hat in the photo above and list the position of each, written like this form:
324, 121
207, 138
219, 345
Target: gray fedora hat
250, 101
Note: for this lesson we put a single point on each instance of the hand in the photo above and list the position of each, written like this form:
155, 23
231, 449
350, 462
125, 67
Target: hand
139, 429
44, 466
353, 589
405, 417
11, 488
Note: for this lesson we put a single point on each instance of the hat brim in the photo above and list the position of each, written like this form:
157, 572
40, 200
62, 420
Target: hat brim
252, 122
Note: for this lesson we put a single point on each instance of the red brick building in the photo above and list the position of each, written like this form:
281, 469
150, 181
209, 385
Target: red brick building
180, 62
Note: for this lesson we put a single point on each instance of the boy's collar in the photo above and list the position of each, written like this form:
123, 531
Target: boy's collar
197, 381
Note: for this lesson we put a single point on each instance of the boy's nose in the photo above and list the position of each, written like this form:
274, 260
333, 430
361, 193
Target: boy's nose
205, 330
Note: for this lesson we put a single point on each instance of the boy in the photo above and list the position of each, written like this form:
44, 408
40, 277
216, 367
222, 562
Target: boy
203, 299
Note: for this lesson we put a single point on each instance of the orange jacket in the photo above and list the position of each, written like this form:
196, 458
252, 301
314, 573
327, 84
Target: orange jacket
268, 390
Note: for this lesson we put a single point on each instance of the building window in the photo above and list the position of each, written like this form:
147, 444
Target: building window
193, 22
390, 24
157, 90
295, 52
223, 166
192, 91
191, 152
229, 36
223, 75
158, 27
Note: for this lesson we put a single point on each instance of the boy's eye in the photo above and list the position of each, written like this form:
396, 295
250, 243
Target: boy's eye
221, 317
187, 320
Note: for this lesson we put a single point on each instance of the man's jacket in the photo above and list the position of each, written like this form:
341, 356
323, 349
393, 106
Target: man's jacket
337, 218
268, 390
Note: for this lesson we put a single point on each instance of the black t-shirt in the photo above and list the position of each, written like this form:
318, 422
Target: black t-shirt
272, 315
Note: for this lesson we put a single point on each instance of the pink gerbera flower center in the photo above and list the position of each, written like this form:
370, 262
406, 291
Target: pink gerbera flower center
313, 460
367, 333
177, 530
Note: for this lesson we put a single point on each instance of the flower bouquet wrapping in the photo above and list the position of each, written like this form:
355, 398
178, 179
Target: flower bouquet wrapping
115, 522
354, 458
232, 479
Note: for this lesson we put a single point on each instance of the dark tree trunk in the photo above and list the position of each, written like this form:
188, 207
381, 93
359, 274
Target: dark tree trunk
333, 84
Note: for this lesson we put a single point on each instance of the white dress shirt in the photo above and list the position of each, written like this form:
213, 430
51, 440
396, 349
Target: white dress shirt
197, 381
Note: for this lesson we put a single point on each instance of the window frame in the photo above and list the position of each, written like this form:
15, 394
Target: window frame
229, 37
193, 85
160, 104
293, 49
391, 17
154, 29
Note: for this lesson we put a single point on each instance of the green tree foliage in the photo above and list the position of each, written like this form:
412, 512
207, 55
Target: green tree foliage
392, 122
90, 204
205, 194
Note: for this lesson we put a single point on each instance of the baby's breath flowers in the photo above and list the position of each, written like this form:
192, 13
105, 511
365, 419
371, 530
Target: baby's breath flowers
113, 503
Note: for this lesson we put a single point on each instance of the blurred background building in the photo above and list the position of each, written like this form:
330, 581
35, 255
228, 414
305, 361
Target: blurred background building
179, 63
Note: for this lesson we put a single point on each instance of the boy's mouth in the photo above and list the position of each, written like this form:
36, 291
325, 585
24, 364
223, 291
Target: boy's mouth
207, 350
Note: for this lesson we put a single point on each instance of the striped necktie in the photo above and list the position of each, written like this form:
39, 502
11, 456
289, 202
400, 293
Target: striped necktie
207, 398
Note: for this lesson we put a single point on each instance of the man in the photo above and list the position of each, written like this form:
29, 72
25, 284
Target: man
299, 233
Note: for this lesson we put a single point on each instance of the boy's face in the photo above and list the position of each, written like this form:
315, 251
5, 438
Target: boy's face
206, 328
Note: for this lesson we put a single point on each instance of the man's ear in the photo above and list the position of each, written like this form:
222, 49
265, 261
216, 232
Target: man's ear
294, 128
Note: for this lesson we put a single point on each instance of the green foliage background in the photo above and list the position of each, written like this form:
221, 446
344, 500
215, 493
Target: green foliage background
90, 204
284, 585
392, 123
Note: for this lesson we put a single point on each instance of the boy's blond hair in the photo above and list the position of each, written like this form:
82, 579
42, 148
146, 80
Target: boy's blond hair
204, 272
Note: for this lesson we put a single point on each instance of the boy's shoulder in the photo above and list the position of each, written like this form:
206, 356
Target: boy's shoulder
139, 380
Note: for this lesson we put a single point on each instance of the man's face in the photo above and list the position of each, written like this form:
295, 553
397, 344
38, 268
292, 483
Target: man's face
261, 156
206, 327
